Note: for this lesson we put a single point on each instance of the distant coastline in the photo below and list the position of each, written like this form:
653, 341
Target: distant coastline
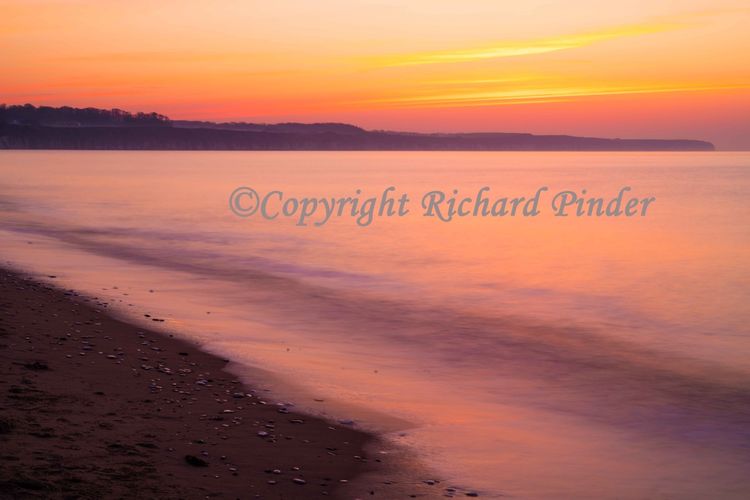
32, 127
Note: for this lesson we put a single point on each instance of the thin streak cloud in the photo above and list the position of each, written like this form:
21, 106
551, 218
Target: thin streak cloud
525, 96
525, 48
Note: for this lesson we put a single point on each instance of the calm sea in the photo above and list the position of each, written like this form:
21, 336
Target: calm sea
536, 357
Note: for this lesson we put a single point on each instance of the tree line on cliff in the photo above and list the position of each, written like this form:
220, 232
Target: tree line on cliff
43, 127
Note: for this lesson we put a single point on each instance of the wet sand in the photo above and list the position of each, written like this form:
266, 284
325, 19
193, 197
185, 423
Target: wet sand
93, 407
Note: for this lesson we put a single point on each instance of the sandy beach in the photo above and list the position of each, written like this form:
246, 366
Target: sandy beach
92, 407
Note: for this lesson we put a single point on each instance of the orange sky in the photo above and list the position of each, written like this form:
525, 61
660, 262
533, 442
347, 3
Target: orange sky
671, 69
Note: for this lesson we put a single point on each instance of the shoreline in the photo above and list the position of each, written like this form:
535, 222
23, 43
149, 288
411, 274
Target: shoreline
95, 407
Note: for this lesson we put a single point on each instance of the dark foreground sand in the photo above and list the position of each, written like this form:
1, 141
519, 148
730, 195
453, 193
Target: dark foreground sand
92, 407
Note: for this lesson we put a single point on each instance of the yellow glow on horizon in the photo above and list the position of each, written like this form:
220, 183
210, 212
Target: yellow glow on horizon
540, 95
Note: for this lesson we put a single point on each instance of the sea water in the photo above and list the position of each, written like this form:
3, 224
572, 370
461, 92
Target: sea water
536, 356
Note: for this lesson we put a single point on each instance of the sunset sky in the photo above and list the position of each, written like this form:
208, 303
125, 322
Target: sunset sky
667, 69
